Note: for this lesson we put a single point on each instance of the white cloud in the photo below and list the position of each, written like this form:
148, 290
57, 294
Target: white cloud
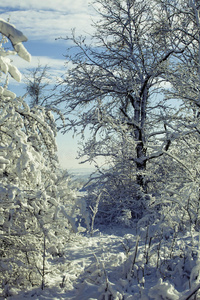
56, 66
44, 20
61, 5
43, 60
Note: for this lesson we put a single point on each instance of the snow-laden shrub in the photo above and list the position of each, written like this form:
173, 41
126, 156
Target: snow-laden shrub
38, 206
120, 199
167, 220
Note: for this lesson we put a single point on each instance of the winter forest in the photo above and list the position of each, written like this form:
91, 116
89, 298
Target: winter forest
131, 93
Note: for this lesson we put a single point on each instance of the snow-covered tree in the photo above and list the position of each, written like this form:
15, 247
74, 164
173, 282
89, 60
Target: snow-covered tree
36, 214
184, 77
184, 73
111, 96
118, 74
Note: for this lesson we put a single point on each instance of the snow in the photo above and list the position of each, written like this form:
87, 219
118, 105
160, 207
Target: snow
163, 290
16, 37
96, 268
9, 30
146, 261
7, 67
4, 160
83, 254
22, 52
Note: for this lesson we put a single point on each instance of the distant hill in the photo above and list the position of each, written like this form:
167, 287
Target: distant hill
81, 174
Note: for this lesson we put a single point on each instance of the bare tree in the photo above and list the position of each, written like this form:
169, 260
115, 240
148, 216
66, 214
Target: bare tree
38, 86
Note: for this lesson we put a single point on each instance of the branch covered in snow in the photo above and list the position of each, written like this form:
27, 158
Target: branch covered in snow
16, 37
13, 34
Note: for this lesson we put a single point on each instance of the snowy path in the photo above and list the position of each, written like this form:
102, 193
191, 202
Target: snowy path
85, 255
93, 268
82, 276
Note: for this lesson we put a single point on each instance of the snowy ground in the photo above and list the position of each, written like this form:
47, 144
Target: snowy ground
107, 264
82, 258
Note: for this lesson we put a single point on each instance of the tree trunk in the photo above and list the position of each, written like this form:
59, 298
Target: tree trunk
140, 119
141, 166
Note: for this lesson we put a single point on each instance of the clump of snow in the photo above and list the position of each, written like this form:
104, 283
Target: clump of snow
22, 52
13, 34
6, 93
7, 67
164, 290
4, 160
16, 37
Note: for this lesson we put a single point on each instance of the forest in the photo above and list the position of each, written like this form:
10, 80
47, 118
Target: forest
131, 93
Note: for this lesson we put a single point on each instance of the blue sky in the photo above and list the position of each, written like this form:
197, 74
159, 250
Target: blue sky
43, 21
